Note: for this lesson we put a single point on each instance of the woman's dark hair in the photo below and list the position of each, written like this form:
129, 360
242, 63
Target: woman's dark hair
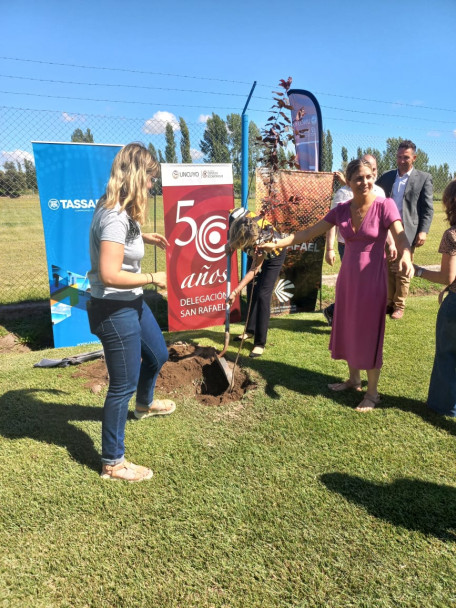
449, 202
354, 165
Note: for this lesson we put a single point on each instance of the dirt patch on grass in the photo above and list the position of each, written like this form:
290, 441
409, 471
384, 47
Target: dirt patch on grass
192, 371
11, 344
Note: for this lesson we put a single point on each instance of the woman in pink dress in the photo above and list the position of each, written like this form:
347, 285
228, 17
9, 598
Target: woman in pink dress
359, 320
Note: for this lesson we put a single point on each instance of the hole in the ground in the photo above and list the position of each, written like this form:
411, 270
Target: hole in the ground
191, 371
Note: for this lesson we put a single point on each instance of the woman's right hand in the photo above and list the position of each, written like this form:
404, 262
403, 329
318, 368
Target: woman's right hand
392, 252
264, 247
340, 176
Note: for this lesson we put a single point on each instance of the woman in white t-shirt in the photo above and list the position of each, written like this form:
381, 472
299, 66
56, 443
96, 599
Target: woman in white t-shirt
133, 343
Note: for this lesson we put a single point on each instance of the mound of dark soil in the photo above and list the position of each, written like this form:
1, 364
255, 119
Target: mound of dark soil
192, 370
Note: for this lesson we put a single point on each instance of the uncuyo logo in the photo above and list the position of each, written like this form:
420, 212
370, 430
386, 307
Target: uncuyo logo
53, 204
175, 173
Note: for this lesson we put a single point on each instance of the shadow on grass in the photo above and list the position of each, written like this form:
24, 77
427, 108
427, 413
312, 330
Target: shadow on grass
30, 322
310, 382
419, 408
24, 414
315, 325
417, 505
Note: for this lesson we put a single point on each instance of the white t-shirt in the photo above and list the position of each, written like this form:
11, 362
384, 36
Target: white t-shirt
344, 194
118, 227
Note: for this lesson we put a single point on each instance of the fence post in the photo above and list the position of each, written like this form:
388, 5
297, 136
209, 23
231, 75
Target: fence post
245, 168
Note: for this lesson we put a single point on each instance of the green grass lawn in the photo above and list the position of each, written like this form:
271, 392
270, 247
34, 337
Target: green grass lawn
289, 498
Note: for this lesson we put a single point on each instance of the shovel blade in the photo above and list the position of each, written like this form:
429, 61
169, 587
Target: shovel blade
226, 371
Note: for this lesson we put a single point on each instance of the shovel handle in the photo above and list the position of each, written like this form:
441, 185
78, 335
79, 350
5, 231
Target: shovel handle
228, 291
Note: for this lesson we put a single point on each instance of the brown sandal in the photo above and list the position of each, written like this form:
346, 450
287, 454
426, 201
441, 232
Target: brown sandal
344, 386
125, 471
372, 402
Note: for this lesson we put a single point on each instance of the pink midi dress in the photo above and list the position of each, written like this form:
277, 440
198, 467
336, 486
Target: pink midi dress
359, 316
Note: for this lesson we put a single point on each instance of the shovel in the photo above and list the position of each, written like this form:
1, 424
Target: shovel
220, 358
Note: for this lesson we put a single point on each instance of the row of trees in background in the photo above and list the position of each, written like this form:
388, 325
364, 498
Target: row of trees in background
386, 160
221, 143
17, 178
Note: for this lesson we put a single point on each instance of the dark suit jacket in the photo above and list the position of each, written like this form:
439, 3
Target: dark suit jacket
417, 206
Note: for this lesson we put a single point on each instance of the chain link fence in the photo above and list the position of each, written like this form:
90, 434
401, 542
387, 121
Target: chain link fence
170, 139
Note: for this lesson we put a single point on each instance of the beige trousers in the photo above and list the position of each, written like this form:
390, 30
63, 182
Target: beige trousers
398, 288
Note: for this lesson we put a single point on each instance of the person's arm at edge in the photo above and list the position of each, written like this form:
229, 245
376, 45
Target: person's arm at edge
445, 276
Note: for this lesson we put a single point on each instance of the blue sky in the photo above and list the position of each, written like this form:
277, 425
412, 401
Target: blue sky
378, 69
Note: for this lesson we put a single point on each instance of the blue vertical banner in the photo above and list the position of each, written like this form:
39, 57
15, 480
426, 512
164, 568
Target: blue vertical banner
71, 178
307, 128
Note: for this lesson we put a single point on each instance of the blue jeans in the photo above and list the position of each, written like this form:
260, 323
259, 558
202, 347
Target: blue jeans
442, 388
135, 351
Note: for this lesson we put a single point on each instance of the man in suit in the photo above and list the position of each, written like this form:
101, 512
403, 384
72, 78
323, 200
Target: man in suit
412, 191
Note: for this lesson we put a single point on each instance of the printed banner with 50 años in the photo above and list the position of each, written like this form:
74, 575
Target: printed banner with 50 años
197, 200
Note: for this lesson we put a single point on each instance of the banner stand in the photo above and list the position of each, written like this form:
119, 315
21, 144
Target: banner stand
197, 200
71, 177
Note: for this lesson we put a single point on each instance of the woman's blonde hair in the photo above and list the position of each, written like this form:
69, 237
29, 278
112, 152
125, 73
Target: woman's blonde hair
449, 202
133, 166
244, 232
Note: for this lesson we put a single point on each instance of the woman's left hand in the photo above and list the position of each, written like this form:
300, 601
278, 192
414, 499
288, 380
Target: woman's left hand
159, 279
153, 238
